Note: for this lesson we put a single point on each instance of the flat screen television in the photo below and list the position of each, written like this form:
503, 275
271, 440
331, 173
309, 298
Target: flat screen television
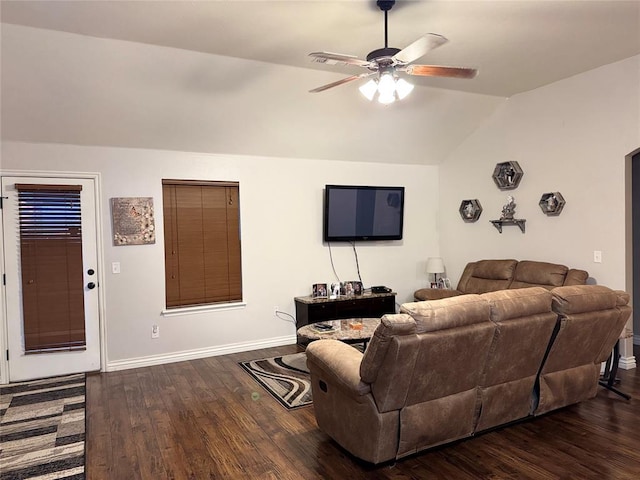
362, 213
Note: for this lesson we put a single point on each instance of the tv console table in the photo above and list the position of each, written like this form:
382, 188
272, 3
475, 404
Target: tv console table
370, 305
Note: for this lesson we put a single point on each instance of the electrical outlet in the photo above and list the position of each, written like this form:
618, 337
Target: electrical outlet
155, 331
597, 256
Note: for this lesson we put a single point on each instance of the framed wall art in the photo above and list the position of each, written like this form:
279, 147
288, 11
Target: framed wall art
133, 222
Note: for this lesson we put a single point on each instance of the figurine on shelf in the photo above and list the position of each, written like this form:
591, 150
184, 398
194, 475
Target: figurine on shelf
509, 209
469, 210
551, 203
507, 175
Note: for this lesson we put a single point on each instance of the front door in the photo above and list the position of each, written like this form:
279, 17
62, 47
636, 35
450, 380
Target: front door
50, 250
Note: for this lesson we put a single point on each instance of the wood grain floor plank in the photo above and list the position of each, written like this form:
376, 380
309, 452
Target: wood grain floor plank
208, 419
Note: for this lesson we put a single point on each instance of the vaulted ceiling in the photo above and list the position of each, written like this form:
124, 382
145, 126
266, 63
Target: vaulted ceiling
516, 45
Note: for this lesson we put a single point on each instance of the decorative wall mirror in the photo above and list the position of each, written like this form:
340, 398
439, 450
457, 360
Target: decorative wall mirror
470, 210
552, 203
507, 175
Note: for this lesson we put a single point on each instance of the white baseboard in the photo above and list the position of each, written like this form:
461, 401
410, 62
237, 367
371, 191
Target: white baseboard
151, 360
627, 363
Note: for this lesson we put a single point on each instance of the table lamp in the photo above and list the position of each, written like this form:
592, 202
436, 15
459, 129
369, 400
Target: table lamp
435, 265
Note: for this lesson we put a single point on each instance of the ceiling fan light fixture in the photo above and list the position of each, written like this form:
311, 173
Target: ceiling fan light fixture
369, 89
386, 84
387, 62
403, 88
386, 98
387, 87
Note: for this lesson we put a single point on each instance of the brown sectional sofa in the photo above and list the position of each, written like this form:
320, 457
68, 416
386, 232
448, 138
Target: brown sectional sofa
492, 275
448, 369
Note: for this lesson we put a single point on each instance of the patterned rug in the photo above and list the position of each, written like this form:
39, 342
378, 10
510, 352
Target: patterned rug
42, 429
286, 378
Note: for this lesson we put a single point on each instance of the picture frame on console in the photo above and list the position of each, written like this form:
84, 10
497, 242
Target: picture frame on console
351, 288
319, 290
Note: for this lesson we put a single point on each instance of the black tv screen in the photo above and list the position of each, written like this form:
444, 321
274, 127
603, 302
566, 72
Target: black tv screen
363, 213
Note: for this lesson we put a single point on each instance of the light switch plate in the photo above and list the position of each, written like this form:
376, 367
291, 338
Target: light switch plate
115, 267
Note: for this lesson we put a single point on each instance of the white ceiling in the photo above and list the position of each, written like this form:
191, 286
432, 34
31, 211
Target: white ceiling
517, 45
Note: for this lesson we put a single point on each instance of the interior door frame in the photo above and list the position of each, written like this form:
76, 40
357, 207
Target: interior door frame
97, 180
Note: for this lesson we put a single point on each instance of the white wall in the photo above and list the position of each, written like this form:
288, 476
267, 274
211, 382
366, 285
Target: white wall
282, 249
571, 136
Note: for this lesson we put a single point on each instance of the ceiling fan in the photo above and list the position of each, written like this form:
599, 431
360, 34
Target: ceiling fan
387, 62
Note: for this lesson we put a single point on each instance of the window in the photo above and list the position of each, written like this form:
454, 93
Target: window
202, 242
51, 263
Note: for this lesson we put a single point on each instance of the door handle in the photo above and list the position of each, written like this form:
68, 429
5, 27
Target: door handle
91, 285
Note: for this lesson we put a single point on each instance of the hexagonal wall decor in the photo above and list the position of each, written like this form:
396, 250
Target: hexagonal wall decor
551, 203
470, 210
507, 175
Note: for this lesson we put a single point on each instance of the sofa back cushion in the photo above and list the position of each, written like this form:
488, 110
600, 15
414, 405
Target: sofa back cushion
487, 276
441, 402
591, 318
449, 339
454, 336
447, 313
391, 325
525, 323
576, 277
538, 274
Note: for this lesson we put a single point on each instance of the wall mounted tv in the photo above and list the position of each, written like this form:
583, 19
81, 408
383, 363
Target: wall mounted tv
362, 213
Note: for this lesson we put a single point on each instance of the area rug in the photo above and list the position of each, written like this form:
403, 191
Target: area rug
285, 377
42, 429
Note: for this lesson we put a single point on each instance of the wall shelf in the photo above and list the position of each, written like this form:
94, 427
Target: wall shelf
470, 210
507, 175
514, 221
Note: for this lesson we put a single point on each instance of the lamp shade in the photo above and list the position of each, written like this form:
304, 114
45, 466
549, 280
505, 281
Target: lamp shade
387, 87
435, 265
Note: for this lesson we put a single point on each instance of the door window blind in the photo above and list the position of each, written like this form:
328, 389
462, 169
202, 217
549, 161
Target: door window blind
51, 267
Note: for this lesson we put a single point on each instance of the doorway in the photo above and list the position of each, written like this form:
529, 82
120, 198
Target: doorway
635, 240
51, 295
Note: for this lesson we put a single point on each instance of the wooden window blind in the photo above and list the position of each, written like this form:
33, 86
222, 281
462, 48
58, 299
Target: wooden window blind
51, 267
202, 242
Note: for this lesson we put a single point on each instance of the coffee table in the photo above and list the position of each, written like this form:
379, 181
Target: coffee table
349, 330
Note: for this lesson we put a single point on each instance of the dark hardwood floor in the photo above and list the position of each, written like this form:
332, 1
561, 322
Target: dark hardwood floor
199, 420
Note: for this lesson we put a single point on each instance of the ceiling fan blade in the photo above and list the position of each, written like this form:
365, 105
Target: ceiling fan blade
338, 59
418, 48
340, 82
439, 71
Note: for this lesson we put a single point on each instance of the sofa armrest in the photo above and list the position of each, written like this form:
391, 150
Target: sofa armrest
337, 364
426, 294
